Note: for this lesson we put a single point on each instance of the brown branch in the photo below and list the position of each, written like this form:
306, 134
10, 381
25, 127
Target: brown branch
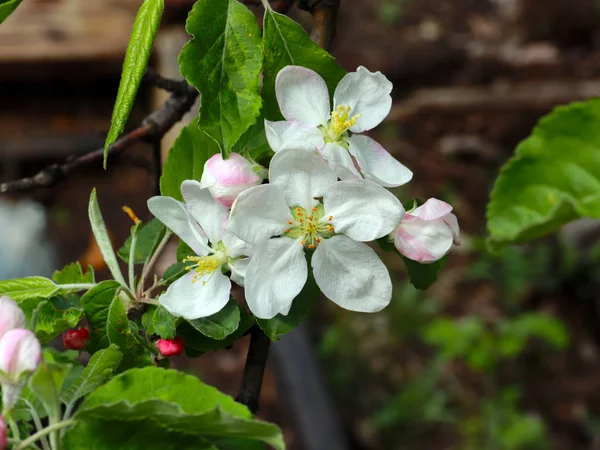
324, 14
152, 128
256, 362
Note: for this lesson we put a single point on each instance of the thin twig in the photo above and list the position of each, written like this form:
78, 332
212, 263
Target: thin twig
152, 128
256, 361
166, 84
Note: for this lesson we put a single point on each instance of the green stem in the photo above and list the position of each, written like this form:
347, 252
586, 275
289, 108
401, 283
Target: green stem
266, 4
14, 428
38, 423
46, 431
152, 261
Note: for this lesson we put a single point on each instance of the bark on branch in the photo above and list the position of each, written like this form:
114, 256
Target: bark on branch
152, 128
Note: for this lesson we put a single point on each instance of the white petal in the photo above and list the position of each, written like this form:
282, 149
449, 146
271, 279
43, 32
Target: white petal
259, 213
235, 246
340, 161
302, 175
452, 222
367, 94
424, 241
209, 213
362, 209
175, 215
351, 274
376, 164
302, 95
276, 274
194, 300
238, 270
284, 134
432, 209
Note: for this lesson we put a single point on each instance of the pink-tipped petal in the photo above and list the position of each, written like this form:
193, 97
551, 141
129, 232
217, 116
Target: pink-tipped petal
3, 434
20, 354
11, 316
452, 222
423, 241
432, 209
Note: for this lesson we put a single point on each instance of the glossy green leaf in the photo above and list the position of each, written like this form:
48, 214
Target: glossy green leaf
553, 178
7, 7
119, 332
186, 159
148, 238
279, 325
197, 343
164, 323
20, 289
138, 53
253, 144
73, 274
286, 43
152, 398
54, 316
174, 272
103, 240
219, 325
422, 276
223, 61
96, 303
98, 371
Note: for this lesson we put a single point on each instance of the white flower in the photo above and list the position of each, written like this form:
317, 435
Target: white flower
361, 101
286, 217
427, 233
201, 222
227, 178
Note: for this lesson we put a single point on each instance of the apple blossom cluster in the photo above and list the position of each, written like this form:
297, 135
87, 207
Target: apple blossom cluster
325, 199
20, 354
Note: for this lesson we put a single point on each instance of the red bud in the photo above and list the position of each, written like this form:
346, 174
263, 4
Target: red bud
76, 339
170, 347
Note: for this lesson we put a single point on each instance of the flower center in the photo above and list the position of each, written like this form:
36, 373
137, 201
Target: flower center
205, 265
340, 123
310, 227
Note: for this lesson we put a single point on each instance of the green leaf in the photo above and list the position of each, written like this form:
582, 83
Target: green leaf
253, 144
55, 316
103, 240
164, 323
186, 159
119, 332
197, 343
73, 274
553, 178
148, 238
138, 53
279, 325
183, 251
219, 325
223, 61
7, 7
286, 43
21, 289
98, 371
96, 303
174, 272
46, 383
422, 276
154, 398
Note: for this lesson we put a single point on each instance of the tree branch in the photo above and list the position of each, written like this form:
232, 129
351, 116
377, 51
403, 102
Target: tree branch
152, 128
256, 361
324, 14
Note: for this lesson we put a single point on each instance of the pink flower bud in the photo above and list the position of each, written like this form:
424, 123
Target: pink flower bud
20, 355
170, 347
3, 431
427, 233
226, 179
11, 316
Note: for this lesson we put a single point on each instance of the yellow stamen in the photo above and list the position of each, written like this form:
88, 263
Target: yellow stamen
340, 121
131, 214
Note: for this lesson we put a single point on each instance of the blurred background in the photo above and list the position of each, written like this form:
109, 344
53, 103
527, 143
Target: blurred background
501, 353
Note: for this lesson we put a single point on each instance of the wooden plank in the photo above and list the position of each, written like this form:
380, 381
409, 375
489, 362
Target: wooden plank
67, 30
